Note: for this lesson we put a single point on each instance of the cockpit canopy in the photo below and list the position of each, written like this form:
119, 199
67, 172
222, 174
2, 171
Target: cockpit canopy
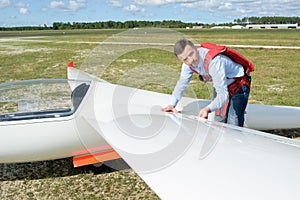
40, 98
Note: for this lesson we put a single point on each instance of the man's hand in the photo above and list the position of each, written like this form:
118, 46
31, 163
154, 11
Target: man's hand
204, 112
170, 108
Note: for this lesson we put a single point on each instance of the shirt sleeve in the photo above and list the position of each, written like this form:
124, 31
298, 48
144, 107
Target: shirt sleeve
184, 80
219, 79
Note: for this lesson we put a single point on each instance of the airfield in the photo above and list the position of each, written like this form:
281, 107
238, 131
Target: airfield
276, 82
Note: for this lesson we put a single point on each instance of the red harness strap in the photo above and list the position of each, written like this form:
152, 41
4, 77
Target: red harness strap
232, 89
238, 84
215, 50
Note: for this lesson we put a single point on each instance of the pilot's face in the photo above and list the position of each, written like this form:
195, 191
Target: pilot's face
189, 56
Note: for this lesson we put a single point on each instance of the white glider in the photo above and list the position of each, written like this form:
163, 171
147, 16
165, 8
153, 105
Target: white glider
185, 157
179, 156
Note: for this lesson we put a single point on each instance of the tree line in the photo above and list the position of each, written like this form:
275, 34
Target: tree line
106, 25
121, 25
157, 24
268, 20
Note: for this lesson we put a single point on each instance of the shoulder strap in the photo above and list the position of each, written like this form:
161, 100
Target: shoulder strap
215, 49
193, 70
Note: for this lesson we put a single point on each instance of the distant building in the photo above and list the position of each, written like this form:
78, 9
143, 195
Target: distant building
237, 27
272, 26
220, 27
197, 27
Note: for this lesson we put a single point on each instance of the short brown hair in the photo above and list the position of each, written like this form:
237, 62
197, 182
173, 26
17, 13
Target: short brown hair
181, 44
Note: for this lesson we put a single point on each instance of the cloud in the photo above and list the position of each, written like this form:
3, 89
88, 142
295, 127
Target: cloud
144, 3
161, 2
226, 6
44, 9
114, 3
216, 8
57, 4
151, 2
133, 9
254, 7
4, 3
23, 8
203, 5
23, 11
20, 5
268, 8
73, 5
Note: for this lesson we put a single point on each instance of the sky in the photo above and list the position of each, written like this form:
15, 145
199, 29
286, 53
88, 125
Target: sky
45, 12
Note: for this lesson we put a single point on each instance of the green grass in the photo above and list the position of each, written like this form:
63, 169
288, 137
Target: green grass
32, 60
283, 37
59, 33
275, 79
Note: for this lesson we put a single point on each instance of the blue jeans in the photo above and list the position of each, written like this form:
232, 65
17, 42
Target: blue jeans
236, 109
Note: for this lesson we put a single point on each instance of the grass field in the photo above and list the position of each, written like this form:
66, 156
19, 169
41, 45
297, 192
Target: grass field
45, 54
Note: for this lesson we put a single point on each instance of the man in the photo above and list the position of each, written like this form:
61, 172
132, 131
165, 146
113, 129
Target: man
225, 74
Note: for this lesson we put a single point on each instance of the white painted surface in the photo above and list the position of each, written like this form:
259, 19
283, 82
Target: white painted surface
184, 157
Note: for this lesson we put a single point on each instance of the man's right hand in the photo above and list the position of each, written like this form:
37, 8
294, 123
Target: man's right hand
170, 108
